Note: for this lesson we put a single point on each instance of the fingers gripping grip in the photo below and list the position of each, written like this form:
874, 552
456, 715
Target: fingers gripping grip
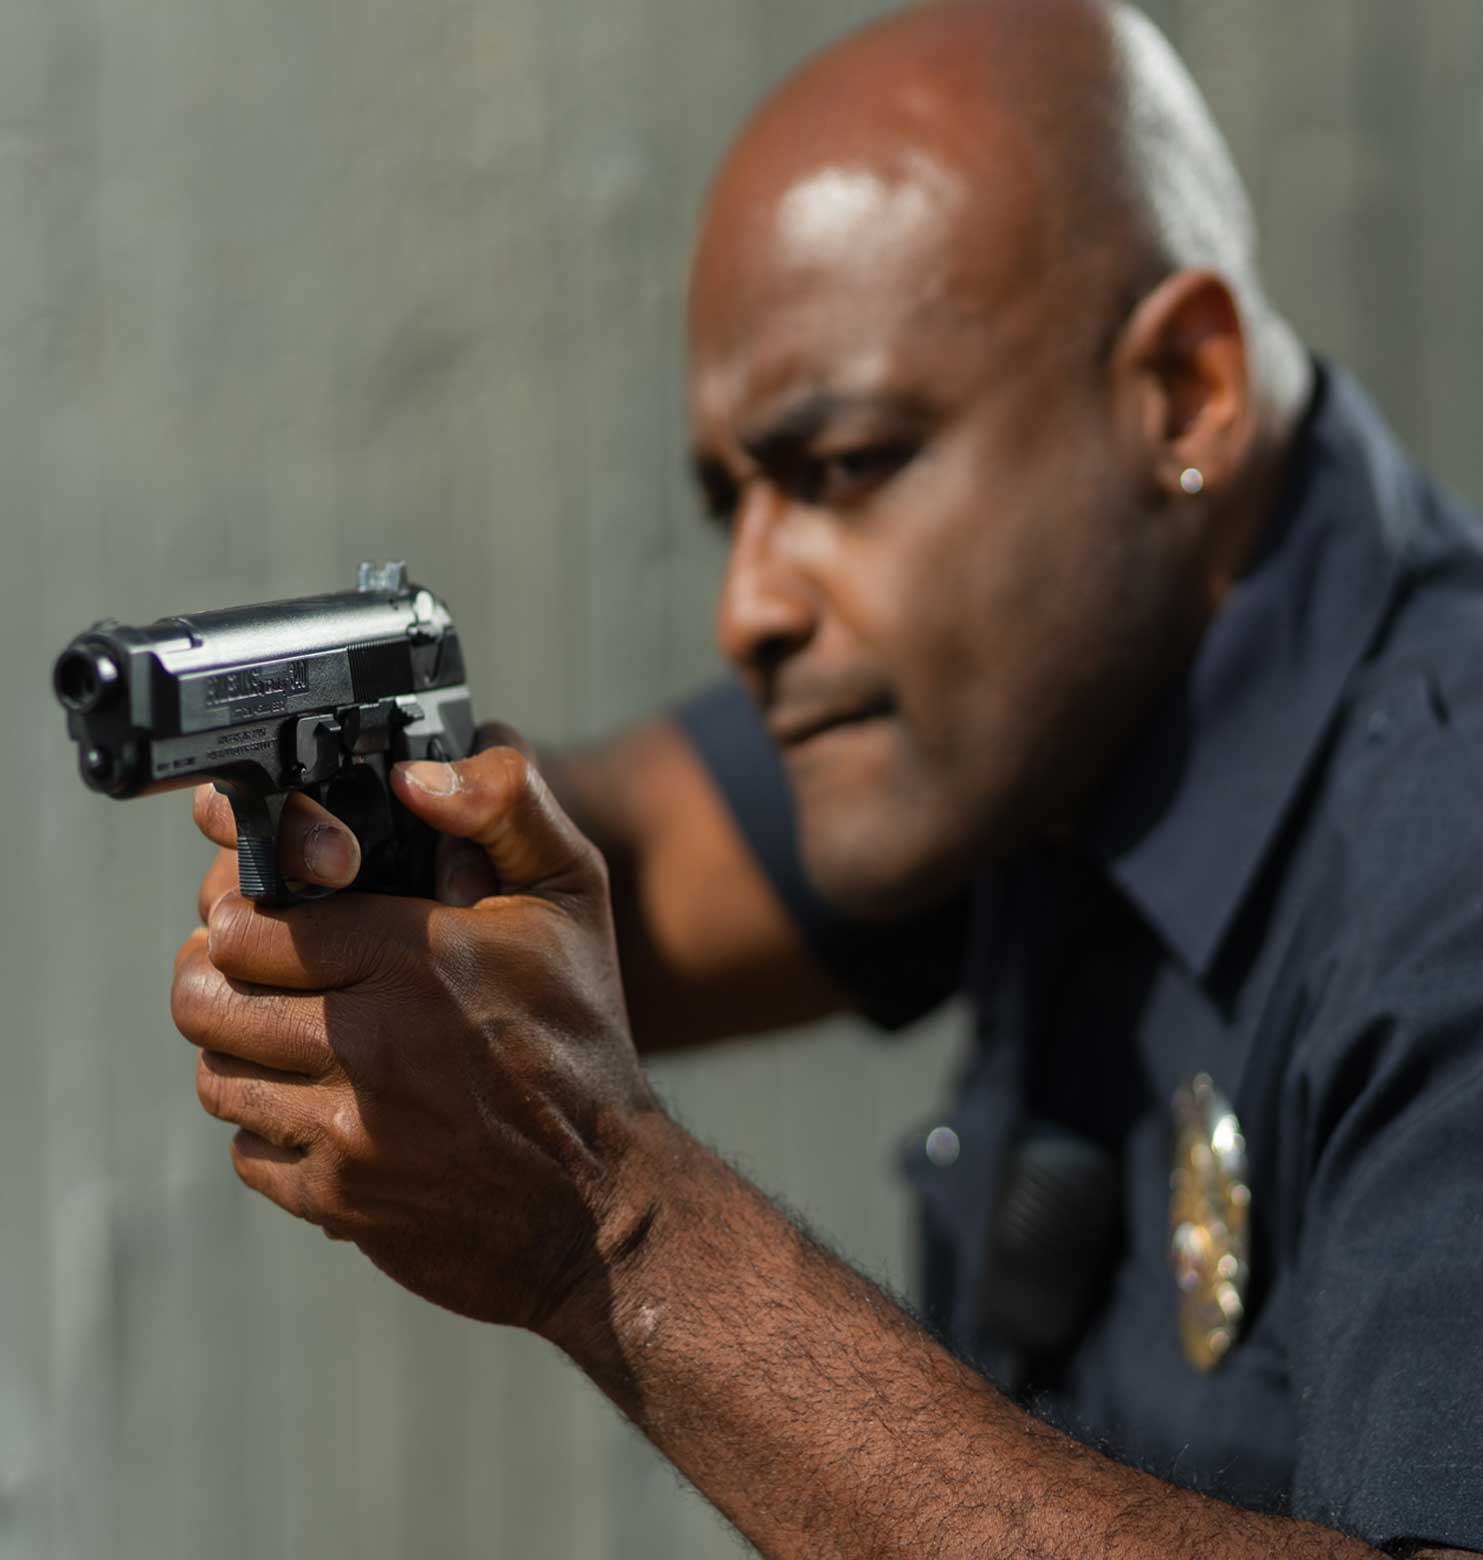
258, 877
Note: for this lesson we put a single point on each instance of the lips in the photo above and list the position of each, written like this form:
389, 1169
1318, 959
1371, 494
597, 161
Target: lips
790, 728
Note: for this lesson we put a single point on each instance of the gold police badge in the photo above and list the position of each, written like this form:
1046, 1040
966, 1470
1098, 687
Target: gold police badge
1209, 1216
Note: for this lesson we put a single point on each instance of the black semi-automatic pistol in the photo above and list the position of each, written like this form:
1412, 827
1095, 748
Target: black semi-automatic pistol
320, 695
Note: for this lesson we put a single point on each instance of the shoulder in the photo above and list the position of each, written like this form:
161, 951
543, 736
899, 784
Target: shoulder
1384, 914
1396, 808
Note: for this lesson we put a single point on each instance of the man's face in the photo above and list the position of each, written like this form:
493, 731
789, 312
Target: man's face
937, 560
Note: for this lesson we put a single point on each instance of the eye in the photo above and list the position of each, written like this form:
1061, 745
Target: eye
846, 476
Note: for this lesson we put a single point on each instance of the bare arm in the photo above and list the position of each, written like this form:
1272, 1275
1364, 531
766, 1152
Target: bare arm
706, 948
824, 1422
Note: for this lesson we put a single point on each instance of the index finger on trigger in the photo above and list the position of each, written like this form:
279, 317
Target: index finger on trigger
325, 945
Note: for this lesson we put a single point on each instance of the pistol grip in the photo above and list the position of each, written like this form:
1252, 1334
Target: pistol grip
257, 815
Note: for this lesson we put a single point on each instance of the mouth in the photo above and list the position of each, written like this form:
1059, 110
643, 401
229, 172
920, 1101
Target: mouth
793, 728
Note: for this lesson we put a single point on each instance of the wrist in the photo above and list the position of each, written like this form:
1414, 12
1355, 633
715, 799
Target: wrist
629, 1216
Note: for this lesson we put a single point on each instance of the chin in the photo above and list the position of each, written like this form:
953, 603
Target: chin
870, 869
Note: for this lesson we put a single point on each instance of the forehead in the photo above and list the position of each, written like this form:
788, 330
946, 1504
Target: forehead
856, 274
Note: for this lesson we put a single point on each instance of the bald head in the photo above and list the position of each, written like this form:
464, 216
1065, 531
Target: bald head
974, 296
1063, 137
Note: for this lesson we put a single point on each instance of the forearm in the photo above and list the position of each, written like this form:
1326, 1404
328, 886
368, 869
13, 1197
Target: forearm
707, 951
823, 1421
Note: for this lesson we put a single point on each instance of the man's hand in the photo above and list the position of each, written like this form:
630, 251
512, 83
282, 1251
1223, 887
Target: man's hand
697, 966
455, 1090
315, 848
452, 1088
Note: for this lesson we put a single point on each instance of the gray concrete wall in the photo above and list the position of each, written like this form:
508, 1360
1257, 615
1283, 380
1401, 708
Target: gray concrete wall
290, 283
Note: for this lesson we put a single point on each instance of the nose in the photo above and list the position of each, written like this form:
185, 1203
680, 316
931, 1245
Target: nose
769, 606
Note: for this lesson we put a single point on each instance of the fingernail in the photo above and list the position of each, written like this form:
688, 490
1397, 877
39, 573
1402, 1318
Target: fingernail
435, 779
329, 853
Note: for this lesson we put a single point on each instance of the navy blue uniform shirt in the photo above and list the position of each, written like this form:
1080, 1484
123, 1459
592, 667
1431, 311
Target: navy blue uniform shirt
1282, 888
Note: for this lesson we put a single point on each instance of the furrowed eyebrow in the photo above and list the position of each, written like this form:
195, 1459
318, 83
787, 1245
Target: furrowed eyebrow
804, 419
786, 435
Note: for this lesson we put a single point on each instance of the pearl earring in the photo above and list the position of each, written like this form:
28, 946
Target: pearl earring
1192, 480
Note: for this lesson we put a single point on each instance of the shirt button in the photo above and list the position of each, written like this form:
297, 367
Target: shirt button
943, 1147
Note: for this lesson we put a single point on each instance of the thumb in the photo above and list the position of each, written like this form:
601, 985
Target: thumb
498, 800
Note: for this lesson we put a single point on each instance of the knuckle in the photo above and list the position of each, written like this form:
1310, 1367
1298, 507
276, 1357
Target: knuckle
247, 943
508, 777
191, 951
323, 1192
254, 1095
306, 1038
209, 1088
229, 926
338, 1138
281, 1181
190, 999
246, 1169
594, 865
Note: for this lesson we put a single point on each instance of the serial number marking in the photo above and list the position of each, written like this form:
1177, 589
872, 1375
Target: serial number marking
259, 709
256, 683
235, 742
213, 751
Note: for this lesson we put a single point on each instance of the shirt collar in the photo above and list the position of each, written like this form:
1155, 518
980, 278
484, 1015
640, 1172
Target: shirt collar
1188, 820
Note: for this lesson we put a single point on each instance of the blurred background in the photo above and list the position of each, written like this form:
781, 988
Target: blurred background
288, 284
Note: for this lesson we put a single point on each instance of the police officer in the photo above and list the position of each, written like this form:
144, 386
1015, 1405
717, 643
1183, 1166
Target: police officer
1101, 652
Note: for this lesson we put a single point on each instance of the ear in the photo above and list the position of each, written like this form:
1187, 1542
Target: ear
1180, 380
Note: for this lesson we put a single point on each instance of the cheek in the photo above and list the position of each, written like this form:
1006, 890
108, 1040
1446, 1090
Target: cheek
975, 615
940, 619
